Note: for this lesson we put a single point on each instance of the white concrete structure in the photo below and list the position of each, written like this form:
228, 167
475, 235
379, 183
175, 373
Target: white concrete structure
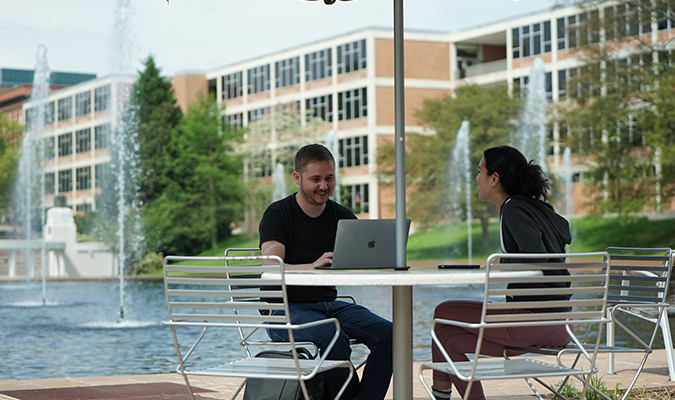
84, 259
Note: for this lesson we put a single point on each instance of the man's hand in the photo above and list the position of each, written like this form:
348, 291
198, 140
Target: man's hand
325, 260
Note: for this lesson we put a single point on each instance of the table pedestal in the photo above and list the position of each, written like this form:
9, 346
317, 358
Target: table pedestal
402, 325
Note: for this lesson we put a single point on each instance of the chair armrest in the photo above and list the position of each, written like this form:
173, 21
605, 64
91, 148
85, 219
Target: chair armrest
348, 298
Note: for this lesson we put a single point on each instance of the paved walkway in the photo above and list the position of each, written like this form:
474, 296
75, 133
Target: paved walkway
655, 375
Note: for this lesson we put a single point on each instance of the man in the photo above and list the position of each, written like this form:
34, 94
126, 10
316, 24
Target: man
301, 230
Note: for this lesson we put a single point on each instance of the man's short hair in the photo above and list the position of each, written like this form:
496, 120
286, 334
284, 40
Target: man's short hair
312, 153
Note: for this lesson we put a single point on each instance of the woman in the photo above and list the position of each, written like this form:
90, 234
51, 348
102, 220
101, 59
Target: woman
519, 190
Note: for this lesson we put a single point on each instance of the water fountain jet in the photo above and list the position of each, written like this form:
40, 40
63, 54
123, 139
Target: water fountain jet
279, 180
531, 137
30, 177
567, 179
331, 143
125, 148
460, 179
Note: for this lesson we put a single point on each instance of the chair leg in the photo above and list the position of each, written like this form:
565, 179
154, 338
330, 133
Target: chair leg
635, 378
668, 344
536, 392
611, 328
424, 383
187, 383
241, 386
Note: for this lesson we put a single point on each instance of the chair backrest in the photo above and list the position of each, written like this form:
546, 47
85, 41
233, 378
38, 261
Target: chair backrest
588, 278
639, 275
210, 291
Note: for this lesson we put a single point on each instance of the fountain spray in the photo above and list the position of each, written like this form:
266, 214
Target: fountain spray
331, 143
460, 177
531, 138
30, 182
126, 146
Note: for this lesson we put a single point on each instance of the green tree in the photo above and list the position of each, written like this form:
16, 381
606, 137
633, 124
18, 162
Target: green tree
157, 115
619, 113
490, 113
10, 143
274, 138
203, 190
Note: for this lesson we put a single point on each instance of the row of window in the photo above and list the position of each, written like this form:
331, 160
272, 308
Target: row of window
318, 65
619, 22
64, 107
353, 152
576, 82
64, 142
352, 104
571, 81
83, 179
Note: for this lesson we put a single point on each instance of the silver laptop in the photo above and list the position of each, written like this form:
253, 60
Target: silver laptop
366, 244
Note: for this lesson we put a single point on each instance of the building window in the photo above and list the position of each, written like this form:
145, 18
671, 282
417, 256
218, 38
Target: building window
99, 171
352, 104
83, 176
351, 57
531, 40
82, 104
627, 20
318, 65
259, 79
65, 108
576, 30
287, 72
32, 115
353, 151
65, 144
320, 107
102, 136
520, 85
261, 165
29, 117
515, 42
562, 84
355, 197
49, 113
49, 183
49, 147
85, 207
102, 98
65, 181
257, 114
235, 121
83, 140
286, 116
665, 16
232, 85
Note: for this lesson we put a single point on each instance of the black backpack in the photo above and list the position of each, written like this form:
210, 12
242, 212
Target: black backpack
277, 389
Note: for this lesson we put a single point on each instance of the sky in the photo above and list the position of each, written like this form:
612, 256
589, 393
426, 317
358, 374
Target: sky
202, 35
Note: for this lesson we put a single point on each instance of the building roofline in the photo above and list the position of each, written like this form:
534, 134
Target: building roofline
326, 39
512, 18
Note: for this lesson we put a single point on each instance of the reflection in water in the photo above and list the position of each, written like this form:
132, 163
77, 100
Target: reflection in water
78, 334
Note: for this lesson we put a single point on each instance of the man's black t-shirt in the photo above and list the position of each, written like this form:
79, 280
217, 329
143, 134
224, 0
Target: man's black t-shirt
305, 239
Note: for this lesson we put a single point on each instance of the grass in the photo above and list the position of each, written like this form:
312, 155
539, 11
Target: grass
449, 241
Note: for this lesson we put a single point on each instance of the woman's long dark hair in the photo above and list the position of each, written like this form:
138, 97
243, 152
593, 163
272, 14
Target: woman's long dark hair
517, 175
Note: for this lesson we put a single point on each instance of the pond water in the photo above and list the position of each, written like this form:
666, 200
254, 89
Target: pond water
78, 331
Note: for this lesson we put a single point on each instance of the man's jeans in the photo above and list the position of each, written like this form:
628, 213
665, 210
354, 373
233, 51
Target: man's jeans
356, 322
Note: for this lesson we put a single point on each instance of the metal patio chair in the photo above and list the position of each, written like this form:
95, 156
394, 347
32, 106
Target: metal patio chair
211, 294
589, 277
247, 342
638, 286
